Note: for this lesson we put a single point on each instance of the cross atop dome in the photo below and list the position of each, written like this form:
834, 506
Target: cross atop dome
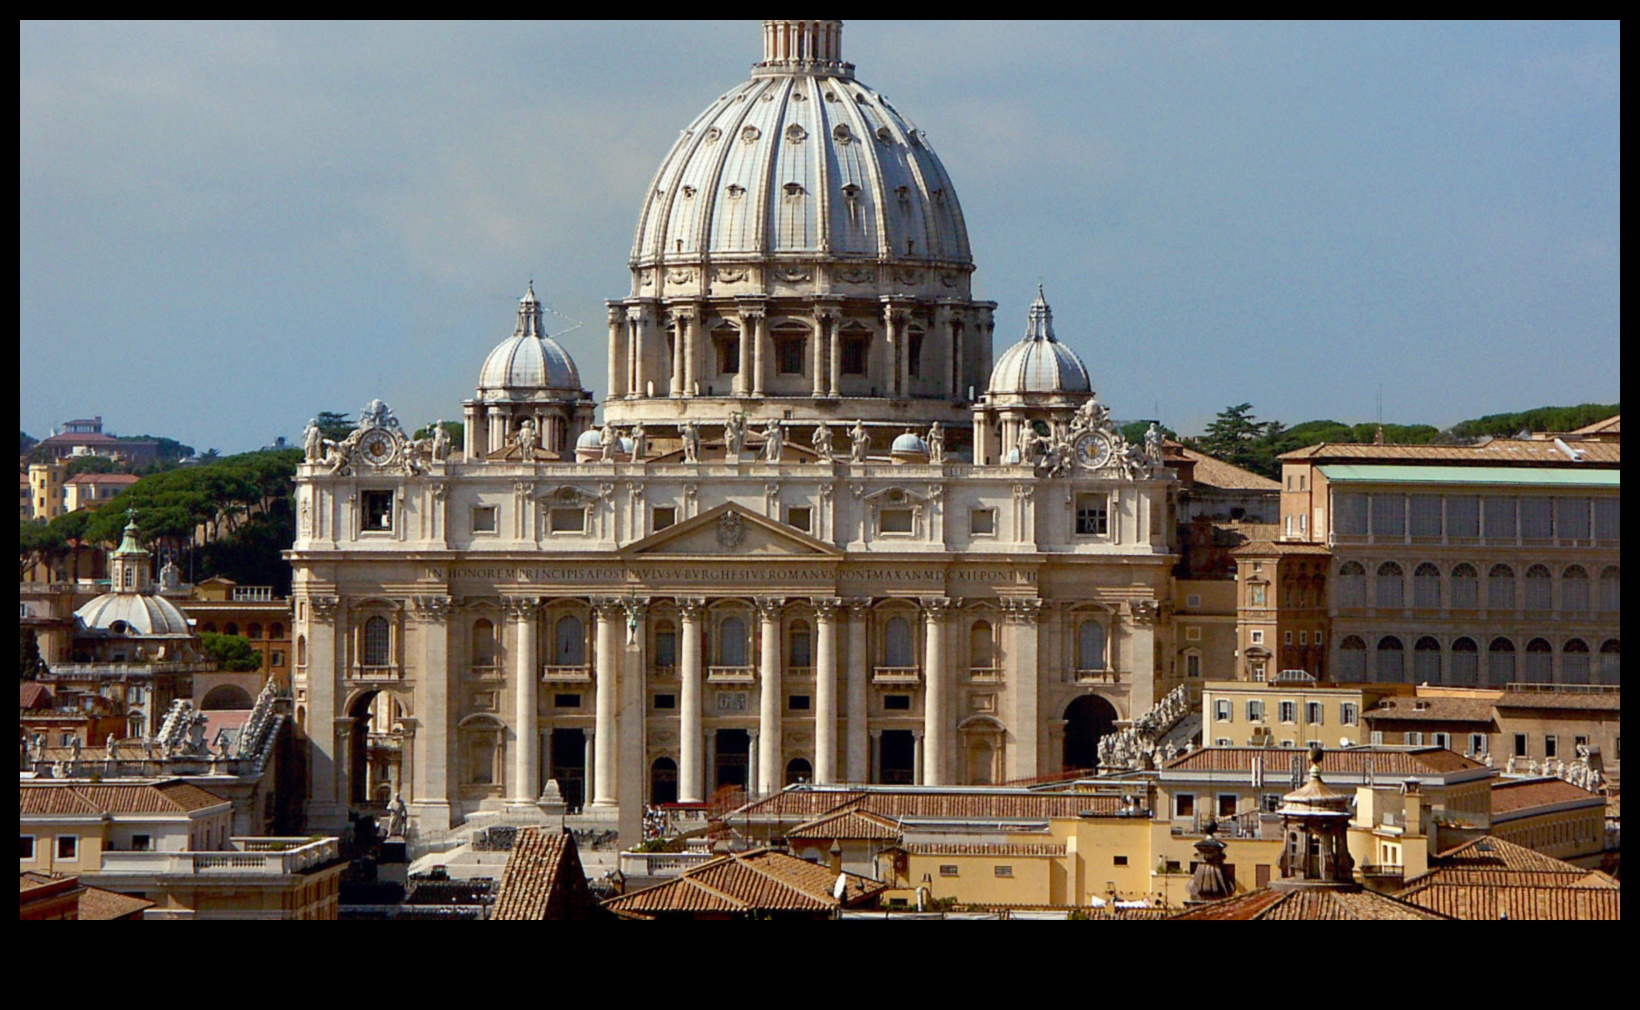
810, 45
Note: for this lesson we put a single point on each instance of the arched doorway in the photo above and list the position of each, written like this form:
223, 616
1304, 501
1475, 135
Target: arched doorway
799, 771
358, 748
1088, 720
663, 782
374, 750
227, 698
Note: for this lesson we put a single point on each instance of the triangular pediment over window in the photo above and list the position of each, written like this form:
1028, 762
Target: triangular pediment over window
733, 532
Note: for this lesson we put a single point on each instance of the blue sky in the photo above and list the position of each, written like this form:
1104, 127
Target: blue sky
228, 227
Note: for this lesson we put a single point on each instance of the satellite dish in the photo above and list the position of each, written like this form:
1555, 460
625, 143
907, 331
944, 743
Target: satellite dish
840, 889
1345, 743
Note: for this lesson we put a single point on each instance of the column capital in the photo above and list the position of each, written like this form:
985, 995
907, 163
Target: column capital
635, 609
936, 609
876, 734
690, 608
1023, 611
1145, 613
826, 609
325, 608
609, 608
522, 607
432, 609
859, 608
770, 607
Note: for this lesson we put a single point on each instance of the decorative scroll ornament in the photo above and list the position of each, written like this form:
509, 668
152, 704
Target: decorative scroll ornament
731, 532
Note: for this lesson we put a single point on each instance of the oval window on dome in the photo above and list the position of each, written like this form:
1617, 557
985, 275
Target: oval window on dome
843, 135
751, 135
713, 135
796, 134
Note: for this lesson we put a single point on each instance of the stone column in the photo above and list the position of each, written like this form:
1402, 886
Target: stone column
609, 646
920, 760
834, 356
818, 357
632, 760
675, 326
743, 378
1141, 654
825, 679
754, 757
326, 808
860, 767
430, 773
589, 763
634, 354
498, 429
891, 321
771, 711
1020, 667
760, 372
691, 777
691, 354
617, 351
935, 701
959, 391
876, 743
526, 736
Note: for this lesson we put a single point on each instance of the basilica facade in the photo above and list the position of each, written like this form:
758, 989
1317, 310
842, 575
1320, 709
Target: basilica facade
820, 533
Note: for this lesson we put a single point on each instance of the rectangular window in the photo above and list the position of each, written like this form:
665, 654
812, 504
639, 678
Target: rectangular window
800, 703
1521, 748
665, 518
1289, 713
566, 701
1193, 666
789, 354
1223, 742
1092, 515
1501, 521
568, 521
1119, 861
1477, 744
142, 843
897, 703
68, 848
486, 520
1463, 517
378, 512
1426, 516
898, 522
1572, 518
1255, 711
729, 356
1443, 741
1415, 739
1389, 515
666, 702
1608, 520
1193, 601
1222, 711
1005, 872
1349, 714
1184, 805
1303, 638
800, 519
1289, 638
1192, 634
1258, 638
1537, 518
1315, 714
278, 660
1350, 515
948, 871
1551, 746
982, 522
25, 848
1229, 805
854, 355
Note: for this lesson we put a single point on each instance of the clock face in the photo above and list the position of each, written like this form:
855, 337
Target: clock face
378, 449
1094, 451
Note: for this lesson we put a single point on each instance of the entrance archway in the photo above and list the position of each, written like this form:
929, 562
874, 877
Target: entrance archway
568, 765
358, 749
663, 782
898, 759
734, 758
1088, 720
227, 698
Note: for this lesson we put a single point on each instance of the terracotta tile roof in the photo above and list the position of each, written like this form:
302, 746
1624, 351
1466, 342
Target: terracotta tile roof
1280, 549
1482, 903
1003, 851
803, 803
1475, 710
1385, 761
47, 799
1497, 452
543, 880
97, 905
847, 826
1522, 797
1217, 473
1562, 701
1610, 426
32, 696
742, 884
1494, 854
1309, 906
29, 880
105, 479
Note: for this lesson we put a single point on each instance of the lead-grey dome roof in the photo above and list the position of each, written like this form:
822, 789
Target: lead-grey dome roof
1040, 365
529, 365
134, 614
802, 160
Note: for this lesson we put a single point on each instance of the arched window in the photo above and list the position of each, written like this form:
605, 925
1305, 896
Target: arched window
799, 646
1426, 587
569, 642
1574, 662
1540, 590
732, 643
1392, 661
1500, 665
1611, 667
301, 650
1574, 590
982, 650
1352, 660
1352, 585
1500, 588
1391, 591
254, 632
1466, 663
276, 631
799, 771
897, 651
377, 643
483, 644
1611, 590
1090, 646
1426, 661
230, 629
208, 628
666, 646
1466, 588
1540, 662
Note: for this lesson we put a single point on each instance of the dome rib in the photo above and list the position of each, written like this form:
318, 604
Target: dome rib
1039, 364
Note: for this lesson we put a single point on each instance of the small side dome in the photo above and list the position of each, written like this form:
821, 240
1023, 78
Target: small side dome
910, 443
529, 366
1040, 365
133, 614
590, 440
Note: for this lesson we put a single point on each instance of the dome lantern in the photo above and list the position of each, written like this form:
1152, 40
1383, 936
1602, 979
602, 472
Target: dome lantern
790, 46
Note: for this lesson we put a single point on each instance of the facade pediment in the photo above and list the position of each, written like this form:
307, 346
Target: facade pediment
732, 531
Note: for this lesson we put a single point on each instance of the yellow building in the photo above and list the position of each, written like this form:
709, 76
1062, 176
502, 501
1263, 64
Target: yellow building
46, 490
1290, 711
1552, 817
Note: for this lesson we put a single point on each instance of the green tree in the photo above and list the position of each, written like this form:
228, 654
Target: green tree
335, 426
92, 464
455, 429
38, 544
230, 653
30, 665
24, 442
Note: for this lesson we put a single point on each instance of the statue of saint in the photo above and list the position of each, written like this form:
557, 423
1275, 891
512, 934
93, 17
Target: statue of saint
313, 442
1153, 445
823, 443
936, 444
609, 441
441, 443
640, 443
861, 439
734, 436
774, 442
691, 442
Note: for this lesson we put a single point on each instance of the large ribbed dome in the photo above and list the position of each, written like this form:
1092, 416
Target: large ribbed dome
802, 161
1040, 365
529, 365
133, 614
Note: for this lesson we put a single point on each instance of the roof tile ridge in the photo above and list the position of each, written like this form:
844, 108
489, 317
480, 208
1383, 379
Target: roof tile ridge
766, 875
